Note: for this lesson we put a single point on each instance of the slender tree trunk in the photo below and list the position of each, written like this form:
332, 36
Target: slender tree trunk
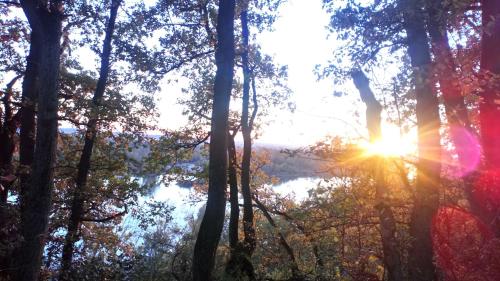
429, 149
233, 194
248, 224
392, 255
36, 198
239, 265
213, 220
80, 192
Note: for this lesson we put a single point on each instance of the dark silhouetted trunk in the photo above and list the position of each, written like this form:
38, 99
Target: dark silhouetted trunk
233, 194
246, 128
36, 196
213, 220
392, 255
28, 100
239, 266
429, 149
80, 192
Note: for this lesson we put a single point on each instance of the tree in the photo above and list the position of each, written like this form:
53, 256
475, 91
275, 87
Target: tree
46, 24
90, 136
246, 128
429, 146
392, 256
213, 219
392, 25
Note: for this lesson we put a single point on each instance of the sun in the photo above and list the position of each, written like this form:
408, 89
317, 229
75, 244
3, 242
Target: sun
391, 144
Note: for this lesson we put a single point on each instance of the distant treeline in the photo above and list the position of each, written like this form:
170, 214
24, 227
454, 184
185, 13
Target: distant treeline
280, 165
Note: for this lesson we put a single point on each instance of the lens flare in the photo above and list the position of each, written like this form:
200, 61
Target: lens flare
465, 248
468, 149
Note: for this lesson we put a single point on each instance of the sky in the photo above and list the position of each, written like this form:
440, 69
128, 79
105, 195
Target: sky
298, 40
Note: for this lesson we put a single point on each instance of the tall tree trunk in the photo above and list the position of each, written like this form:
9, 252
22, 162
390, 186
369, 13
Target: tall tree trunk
30, 90
248, 224
213, 220
239, 266
80, 192
429, 149
36, 198
392, 255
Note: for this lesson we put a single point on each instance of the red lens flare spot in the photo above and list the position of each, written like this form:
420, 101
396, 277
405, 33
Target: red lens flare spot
465, 248
487, 190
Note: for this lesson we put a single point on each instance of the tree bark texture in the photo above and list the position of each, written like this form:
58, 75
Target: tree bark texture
233, 194
248, 223
392, 255
36, 196
429, 149
213, 220
29, 96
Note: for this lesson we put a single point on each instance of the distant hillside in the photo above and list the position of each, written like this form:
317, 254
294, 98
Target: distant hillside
281, 165
288, 168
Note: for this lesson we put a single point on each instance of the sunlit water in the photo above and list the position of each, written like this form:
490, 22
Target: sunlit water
185, 208
181, 197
